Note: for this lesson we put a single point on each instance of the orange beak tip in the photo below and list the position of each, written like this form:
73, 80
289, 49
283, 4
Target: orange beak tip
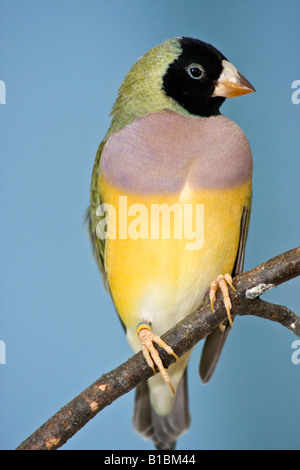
232, 83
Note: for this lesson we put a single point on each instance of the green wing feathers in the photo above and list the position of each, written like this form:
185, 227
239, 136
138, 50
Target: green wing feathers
92, 219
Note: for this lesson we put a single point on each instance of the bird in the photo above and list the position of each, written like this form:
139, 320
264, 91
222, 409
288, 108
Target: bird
170, 202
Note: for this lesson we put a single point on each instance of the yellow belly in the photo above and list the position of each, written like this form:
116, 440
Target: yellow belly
164, 279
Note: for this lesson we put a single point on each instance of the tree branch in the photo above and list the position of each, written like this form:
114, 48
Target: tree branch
196, 326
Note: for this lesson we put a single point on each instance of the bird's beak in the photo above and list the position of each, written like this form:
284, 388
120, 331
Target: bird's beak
231, 83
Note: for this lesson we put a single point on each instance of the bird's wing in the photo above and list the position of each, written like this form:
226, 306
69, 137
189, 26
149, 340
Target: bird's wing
215, 341
92, 219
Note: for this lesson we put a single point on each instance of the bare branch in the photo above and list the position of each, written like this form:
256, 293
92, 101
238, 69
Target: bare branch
196, 326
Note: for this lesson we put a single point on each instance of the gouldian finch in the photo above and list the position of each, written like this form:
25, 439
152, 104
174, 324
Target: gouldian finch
169, 213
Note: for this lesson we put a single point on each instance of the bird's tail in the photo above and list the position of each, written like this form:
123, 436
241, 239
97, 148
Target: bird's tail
162, 430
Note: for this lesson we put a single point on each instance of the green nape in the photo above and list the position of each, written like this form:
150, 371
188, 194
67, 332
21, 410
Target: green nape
141, 92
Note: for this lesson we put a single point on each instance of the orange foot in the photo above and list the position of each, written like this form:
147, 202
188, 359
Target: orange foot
151, 355
221, 282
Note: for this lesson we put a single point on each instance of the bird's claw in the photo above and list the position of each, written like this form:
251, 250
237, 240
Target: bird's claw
151, 355
221, 282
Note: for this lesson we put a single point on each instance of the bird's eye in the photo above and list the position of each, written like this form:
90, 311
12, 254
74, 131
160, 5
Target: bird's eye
195, 71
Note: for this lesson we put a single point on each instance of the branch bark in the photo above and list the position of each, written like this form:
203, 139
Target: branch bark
196, 326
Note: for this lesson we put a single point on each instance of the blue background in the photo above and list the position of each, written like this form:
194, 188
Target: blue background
62, 62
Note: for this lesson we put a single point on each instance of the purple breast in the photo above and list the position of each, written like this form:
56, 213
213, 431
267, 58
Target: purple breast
161, 152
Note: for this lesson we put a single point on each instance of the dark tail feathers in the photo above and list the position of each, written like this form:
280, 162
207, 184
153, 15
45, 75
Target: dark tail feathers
163, 430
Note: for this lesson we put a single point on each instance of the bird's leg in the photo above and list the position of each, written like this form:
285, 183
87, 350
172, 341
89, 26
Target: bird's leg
151, 355
221, 282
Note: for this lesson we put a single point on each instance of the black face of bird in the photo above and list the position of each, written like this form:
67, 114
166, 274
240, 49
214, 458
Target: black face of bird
201, 78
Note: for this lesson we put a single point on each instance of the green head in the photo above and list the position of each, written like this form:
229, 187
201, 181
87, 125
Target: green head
184, 75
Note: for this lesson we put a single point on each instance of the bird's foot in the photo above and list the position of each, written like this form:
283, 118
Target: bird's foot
221, 282
151, 355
